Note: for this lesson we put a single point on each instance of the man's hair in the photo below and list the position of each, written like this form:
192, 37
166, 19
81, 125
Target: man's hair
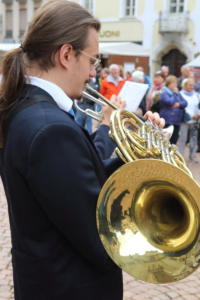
114, 66
184, 67
138, 76
164, 67
56, 23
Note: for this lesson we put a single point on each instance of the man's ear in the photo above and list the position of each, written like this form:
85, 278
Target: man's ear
64, 55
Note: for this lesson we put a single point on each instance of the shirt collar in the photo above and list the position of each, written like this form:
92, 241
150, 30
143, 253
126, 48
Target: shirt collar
59, 96
168, 90
110, 78
188, 93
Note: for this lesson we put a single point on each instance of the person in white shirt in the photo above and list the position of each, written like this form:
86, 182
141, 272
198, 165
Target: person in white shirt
191, 118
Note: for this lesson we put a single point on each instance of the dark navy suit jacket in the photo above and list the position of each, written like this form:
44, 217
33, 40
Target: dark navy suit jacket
52, 174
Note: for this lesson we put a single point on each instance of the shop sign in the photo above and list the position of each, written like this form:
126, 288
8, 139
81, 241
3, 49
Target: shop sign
109, 34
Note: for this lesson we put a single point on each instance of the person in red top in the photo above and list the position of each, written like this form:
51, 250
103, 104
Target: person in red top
113, 83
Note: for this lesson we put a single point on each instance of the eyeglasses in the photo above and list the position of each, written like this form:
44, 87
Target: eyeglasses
95, 62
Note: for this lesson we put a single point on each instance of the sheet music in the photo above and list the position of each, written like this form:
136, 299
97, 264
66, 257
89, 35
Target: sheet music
132, 93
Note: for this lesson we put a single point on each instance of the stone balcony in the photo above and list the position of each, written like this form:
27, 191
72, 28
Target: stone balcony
173, 22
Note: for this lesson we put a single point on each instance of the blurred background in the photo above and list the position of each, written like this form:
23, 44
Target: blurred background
147, 33
140, 35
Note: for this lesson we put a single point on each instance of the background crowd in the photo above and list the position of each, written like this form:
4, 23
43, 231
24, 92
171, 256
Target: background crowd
177, 100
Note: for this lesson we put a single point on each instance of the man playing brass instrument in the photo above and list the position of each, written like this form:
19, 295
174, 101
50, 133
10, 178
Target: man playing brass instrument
51, 169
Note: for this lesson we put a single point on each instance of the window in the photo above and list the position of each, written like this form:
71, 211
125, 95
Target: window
176, 6
22, 21
37, 4
1, 23
89, 5
9, 23
129, 8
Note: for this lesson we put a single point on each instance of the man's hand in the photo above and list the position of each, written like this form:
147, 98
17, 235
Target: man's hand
196, 117
155, 119
107, 110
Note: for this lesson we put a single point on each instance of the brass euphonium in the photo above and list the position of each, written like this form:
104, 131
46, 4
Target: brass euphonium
148, 210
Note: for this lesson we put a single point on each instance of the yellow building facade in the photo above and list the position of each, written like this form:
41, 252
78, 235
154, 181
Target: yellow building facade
167, 29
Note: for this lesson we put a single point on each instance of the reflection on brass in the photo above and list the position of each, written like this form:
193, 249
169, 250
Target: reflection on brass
148, 210
148, 220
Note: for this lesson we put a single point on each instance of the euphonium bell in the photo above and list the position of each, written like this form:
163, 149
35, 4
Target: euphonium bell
148, 210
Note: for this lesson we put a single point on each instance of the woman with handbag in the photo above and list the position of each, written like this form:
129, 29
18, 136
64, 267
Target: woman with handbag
172, 106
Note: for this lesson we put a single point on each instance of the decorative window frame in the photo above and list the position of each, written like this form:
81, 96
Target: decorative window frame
169, 4
122, 13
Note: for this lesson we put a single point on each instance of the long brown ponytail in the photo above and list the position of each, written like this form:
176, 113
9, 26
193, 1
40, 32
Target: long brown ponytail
12, 83
56, 23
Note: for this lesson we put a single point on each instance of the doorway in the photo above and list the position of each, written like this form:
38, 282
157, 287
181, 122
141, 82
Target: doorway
174, 59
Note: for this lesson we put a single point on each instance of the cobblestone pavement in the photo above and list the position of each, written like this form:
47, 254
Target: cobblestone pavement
188, 289
6, 283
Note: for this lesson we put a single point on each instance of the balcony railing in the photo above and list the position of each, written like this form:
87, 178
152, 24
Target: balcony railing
173, 22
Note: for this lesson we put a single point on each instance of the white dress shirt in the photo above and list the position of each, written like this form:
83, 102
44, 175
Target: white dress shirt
58, 95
